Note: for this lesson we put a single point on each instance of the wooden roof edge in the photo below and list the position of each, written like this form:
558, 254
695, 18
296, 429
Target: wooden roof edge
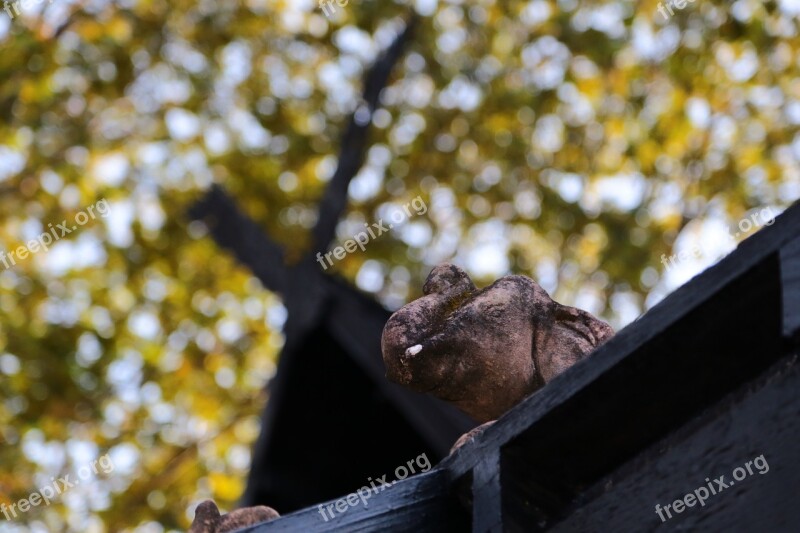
417, 499
779, 242
750, 252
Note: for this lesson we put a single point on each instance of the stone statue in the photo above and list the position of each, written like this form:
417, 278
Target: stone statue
207, 518
485, 350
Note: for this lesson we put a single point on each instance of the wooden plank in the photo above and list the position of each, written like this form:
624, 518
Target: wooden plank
238, 233
339, 431
790, 279
665, 383
487, 514
417, 504
354, 142
761, 419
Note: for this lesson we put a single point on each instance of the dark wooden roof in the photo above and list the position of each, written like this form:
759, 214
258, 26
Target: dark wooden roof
699, 385
332, 419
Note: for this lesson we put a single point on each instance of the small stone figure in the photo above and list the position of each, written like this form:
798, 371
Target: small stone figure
485, 350
207, 518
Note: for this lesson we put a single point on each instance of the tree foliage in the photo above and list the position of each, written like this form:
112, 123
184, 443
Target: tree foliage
575, 142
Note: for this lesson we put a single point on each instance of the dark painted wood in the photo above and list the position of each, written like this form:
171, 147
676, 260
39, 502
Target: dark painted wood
237, 233
419, 503
487, 512
354, 143
790, 278
340, 430
659, 387
761, 419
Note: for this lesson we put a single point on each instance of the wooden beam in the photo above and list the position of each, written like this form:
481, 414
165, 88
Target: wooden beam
758, 420
236, 232
487, 512
419, 503
354, 143
790, 281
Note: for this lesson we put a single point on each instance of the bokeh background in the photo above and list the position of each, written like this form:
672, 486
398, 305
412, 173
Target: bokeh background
575, 142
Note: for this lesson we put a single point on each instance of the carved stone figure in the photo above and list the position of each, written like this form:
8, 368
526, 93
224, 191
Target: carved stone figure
207, 518
485, 350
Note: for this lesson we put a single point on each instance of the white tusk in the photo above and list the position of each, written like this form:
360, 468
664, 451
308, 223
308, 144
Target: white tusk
414, 350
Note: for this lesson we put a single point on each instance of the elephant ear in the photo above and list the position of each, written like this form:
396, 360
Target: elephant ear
206, 518
602, 330
583, 323
571, 336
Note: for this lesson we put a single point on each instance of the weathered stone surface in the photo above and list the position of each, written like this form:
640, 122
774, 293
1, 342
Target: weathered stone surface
207, 518
485, 350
